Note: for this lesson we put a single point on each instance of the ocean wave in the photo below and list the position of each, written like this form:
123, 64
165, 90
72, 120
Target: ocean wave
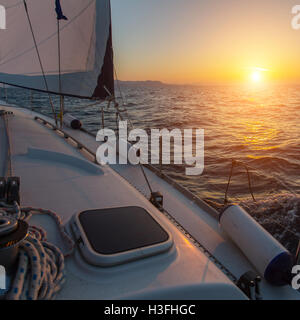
280, 215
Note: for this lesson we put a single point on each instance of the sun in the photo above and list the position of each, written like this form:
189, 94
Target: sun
256, 76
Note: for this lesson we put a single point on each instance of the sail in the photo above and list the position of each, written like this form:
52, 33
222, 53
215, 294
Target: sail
62, 47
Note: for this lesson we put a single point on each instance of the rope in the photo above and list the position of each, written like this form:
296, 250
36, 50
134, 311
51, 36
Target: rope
257, 171
228, 184
93, 104
280, 181
5, 92
124, 103
116, 105
40, 271
31, 100
46, 277
29, 211
146, 178
40, 60
102, 116
261, 173
118, 115
236, 163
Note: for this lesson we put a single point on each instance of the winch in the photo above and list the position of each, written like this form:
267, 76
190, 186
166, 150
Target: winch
12, 233
12, 230
33, 267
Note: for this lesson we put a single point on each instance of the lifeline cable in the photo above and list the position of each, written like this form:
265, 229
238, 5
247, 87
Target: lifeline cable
235, 163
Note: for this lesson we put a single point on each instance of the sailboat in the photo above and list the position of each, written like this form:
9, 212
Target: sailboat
73, 229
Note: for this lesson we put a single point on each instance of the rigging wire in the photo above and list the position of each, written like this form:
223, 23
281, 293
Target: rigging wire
280, 181
40, 61
5, 92
233, 165
53, 92
124, 103
116, 105
266, 175
257, 172
59, 75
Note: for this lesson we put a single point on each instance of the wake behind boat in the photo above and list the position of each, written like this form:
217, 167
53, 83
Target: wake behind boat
72, 229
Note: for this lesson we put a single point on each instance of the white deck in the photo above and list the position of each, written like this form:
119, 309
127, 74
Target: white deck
55, 175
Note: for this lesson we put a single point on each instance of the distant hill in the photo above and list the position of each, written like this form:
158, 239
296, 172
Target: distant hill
141, 83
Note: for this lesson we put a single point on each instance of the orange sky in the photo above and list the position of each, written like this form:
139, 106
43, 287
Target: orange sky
205, 41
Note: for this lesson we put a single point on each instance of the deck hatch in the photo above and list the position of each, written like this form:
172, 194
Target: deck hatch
117, 235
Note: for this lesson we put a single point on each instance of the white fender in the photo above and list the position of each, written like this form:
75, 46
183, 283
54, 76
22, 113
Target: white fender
267, 255
71, 121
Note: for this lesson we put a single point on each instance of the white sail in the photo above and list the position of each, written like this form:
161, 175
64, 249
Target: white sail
86, 59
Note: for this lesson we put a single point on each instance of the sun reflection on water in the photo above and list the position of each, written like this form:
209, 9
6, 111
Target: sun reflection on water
259, 136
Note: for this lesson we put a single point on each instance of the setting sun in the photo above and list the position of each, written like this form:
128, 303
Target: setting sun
256, 76
213, 51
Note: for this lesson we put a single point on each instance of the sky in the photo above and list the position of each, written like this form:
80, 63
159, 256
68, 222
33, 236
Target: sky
206, 41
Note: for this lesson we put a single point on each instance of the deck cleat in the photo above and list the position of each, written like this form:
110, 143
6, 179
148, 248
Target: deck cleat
13, 190
157, 199
2, 189
249, 283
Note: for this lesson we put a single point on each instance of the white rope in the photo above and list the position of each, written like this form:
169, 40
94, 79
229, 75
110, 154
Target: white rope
40, 271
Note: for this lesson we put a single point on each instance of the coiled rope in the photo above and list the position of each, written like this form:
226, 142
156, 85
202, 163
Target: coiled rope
40, 271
